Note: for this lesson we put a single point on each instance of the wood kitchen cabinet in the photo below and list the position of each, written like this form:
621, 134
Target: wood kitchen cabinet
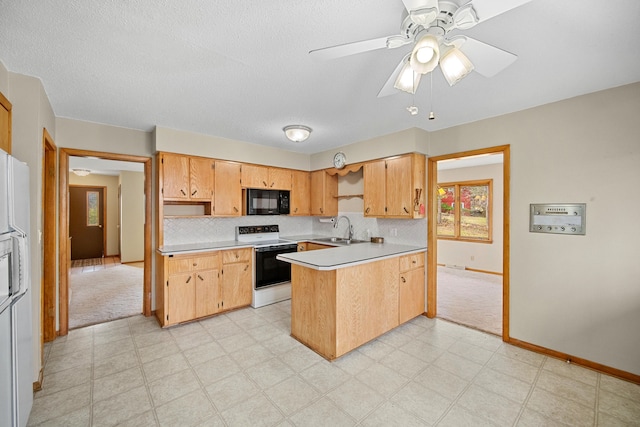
190, 288
227, 194
186, 178
394, 187
5, 124
324, 193
310, 246
256, 176
300, 199
237, 278
411, 287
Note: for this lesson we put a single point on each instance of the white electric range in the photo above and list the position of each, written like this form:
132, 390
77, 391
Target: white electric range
272, 277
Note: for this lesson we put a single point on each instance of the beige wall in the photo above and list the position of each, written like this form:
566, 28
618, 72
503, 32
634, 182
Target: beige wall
31, 113
98, 137
195, 144
112, 223
574, 294
4, 79
132, 219
486, 256
407, 141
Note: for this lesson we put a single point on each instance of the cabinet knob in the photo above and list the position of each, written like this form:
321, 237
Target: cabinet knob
367, 211
200, 277
246, 267
183, 193
235, 209
188, 279
405, 210
265, 184
403, 279
194, 192
414, 261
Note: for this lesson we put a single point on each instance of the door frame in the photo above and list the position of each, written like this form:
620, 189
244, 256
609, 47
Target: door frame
63, 227
104, 212
432, 237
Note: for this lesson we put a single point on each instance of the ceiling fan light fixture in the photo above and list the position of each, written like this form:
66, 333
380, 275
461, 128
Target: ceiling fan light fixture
408, 79
465, 17
81, 172
425, 55
297, 133
455, 66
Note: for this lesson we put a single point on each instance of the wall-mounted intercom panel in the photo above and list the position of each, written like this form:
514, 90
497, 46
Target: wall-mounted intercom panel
558, 218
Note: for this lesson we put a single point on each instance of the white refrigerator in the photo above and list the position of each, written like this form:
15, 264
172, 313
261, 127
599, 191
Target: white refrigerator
16, 361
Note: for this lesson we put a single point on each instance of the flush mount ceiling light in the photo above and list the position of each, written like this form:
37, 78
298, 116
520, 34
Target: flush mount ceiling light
297, 133
81, 172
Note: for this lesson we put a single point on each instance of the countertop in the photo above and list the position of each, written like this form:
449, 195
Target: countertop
348, 256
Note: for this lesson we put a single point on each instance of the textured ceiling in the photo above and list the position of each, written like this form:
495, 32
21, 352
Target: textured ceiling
240, 69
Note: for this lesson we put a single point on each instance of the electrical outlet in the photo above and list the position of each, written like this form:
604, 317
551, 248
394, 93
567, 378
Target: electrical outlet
472, 257
394, 232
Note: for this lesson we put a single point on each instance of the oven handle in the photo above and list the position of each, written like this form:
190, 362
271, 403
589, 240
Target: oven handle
274, 248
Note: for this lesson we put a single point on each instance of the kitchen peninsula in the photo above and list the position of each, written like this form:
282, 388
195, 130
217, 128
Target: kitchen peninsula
346, 296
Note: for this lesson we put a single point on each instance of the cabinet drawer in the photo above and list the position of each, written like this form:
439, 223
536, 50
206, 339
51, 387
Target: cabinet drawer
184, 264
409, 262
208, 262
236, 255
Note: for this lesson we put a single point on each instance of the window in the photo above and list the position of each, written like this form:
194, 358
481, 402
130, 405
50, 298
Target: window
93, 208
464, 211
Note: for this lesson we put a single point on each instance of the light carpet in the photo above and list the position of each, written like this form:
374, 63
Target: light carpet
104, 295
470, 298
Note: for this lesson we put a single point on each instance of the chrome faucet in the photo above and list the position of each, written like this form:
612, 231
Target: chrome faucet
349, 227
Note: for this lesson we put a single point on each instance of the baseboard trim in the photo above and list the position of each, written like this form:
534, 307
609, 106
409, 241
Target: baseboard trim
37, 386
618, 373
475, 269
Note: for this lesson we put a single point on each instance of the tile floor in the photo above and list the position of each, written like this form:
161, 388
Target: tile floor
243, 369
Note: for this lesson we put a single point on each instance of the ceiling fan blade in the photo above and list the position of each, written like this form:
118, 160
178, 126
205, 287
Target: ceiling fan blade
486, 59
388, 88
487, 9
347, 49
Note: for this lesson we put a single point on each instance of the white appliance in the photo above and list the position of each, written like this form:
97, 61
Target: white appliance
271, 277
16, 366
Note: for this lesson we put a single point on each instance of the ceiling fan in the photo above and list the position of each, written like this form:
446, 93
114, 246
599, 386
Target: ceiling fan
427, 26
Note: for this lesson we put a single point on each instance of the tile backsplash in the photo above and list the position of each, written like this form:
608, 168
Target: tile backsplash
209, 229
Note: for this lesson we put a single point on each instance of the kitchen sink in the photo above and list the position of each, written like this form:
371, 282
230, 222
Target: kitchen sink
339, 240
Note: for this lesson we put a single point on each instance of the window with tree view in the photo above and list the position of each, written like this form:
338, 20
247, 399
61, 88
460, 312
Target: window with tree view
464, 210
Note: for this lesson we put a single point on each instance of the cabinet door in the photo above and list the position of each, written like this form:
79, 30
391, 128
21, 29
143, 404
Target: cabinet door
324, 192
5, 124
175, 176
300, 193
279, 179
399, 186
374, 188
236, 285
227, 193
201, 178
181, 298
236, 255
207, 292
254, 176
411, 298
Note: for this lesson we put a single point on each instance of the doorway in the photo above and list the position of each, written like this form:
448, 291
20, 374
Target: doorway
64, 231
434, 210
87, 214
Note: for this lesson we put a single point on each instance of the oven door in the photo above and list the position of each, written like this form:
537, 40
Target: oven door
269, 270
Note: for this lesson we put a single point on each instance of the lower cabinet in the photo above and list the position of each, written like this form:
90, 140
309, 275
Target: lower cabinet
411, 287
236, 284
199, 285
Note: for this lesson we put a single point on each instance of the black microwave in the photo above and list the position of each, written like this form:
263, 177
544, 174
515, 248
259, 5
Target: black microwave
267, 202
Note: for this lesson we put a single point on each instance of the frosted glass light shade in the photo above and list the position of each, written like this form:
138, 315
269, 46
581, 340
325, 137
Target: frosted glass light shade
425, 55
297, 133
81, 172
455, 66
408, 79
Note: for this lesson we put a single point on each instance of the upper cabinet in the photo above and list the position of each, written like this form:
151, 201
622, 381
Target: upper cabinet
300, 201
186, 178
227, 194
256, 176
394, 187
324, 194
5, 124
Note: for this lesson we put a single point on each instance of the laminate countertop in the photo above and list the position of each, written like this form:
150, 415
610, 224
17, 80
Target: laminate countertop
348, 255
